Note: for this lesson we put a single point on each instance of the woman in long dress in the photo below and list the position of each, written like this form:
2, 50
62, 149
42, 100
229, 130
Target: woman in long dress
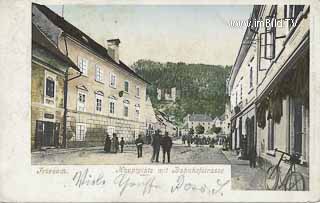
114, 144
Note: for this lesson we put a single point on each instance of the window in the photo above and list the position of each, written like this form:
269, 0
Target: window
241, 93
83, 65
81, 104
137, 113
99, 73
236, 98
113, 80
99, 103
270, 134
50, 87
126, 86
291, 12
126, 111
251, 77
137, 91
270, 35
111, 106
80, 131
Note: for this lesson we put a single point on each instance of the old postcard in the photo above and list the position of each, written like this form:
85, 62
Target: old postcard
160, 101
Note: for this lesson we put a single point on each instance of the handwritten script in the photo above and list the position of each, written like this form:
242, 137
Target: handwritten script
183, 185
124, 182
84, 178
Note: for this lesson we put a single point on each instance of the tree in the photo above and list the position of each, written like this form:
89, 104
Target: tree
199, 129
215, 129
191, 131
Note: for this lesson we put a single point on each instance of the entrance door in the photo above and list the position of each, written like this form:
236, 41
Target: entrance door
298, 131
47, 133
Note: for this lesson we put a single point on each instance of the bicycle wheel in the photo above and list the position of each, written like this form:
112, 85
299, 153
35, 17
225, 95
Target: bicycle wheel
295, 182
272, 178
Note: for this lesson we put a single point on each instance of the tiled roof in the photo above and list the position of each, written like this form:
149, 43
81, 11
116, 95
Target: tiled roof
84, 39
40, 39
200, 117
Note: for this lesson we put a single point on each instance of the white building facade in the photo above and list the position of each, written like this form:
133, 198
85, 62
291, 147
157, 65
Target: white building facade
269, 85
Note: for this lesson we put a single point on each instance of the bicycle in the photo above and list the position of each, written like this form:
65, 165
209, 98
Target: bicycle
293, 181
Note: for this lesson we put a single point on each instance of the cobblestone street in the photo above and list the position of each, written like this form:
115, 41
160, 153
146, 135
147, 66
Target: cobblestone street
180, 154
243, 177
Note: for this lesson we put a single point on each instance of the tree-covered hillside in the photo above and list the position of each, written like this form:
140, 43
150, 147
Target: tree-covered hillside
201, 87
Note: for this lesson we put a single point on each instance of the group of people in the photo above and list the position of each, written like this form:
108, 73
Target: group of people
112, 145
157, 141
166, 144
197, 140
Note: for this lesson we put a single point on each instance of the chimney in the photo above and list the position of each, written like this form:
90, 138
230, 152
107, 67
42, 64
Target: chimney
113, 49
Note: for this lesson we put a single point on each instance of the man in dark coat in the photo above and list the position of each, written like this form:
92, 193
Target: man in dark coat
139, 143
166, 143
121, 144
107, 144
252, 157
155, 143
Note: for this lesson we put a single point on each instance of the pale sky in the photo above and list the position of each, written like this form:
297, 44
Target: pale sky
175, 33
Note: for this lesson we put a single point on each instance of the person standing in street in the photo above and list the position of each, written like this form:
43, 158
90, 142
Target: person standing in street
107, 144
117, 144
121, 144
114, 143
139, 143
166, 143
252, 157
155, 143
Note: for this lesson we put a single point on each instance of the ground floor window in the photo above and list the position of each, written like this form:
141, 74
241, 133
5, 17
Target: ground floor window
80, 132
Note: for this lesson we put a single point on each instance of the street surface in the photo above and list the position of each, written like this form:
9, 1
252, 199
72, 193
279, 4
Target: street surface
243, 177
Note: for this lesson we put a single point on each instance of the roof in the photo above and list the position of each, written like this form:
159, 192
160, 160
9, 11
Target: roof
84, 39
40, 38
244, 47
200, 117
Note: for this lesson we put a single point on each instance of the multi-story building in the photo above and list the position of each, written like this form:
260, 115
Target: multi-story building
193, 120
48, 69
108, 97
269, 84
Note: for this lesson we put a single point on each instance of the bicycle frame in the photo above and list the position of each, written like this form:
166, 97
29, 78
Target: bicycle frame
289, 171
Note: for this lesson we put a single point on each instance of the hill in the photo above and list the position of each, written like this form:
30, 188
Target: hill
201, 87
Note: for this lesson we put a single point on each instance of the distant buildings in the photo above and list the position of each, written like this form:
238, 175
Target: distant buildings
269, 85
167, 94
193, 120
108, 97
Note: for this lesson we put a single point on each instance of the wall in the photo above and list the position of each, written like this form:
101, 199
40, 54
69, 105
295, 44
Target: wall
126, 127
